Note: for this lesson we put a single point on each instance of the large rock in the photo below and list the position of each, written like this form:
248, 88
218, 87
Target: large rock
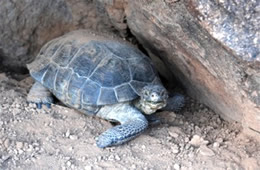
28, 24
212, 47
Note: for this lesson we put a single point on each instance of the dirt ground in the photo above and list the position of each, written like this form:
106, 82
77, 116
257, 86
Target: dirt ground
61, 138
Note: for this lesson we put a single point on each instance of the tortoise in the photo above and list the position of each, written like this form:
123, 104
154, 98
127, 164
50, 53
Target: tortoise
103, 76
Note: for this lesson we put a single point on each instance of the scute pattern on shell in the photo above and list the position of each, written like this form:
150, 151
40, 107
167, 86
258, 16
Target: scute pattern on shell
82, 69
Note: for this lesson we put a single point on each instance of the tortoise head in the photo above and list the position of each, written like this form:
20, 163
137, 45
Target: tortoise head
153, 97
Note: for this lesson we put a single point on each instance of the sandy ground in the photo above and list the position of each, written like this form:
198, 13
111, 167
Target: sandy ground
61, 138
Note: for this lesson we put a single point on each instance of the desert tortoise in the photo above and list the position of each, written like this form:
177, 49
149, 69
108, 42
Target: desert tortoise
102, 76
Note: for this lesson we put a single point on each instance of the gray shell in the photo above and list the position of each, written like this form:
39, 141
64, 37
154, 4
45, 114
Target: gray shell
83, 69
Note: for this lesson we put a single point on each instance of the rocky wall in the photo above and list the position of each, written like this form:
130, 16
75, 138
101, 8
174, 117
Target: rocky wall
28, 24
203, 44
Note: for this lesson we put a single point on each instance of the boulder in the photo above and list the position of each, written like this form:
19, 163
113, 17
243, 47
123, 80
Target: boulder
28, 24
211, 46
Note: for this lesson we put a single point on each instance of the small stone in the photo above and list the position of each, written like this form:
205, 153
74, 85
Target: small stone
32, 105
20, 151
216, 144
169, 138
33, 159
88, 167
174, 135
57, 152
67, 134
15, 151
219, 140
111, 158
30, 148
117, 157
205, 151
176, 166
175, 149
175, 131
36, 144
68, 163
67, 158
99, 158
134, 166
191, 155
73, 137
16, 111
7, 143
19, 145
187, 147
186, 140
198, 141
25, 145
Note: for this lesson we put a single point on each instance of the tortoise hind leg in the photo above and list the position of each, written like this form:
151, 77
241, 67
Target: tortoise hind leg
132, 123
175, 103
39, 95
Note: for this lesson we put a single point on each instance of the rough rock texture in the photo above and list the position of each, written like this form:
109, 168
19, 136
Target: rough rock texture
221, 71
28, 24
234, 23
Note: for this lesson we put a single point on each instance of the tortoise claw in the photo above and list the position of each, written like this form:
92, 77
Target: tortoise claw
48, 105
39, 105
153, 119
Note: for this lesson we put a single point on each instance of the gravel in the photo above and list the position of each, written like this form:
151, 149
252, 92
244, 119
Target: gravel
62, 138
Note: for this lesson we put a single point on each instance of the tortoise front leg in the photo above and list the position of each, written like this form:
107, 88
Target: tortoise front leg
132, 123
39, 95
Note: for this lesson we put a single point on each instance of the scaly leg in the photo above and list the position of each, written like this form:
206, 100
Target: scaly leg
40, 95
175, 103
132, 123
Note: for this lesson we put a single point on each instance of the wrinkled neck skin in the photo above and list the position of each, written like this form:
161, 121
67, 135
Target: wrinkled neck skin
147, 107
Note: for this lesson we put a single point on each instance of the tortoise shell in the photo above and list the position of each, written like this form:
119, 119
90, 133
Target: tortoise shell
82, 69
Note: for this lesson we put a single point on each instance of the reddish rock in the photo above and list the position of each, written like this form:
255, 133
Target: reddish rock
210, 72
